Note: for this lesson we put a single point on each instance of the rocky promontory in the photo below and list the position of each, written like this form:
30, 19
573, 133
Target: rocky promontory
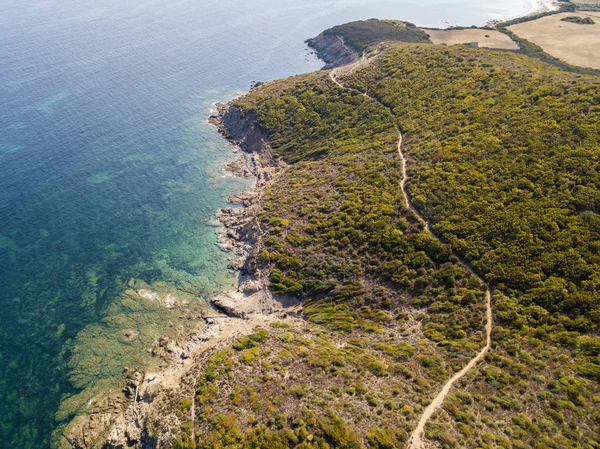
332, 49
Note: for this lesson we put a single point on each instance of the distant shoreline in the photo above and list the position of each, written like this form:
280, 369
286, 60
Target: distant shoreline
541, 6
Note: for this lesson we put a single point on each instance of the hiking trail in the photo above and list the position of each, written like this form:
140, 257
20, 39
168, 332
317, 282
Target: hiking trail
416, 438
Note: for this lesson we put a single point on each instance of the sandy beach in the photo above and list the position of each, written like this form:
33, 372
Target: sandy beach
539, 6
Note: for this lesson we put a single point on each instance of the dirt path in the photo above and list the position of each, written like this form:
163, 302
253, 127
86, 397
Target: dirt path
416, 439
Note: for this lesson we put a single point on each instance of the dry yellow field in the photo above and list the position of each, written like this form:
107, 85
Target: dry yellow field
485, 38
571, 42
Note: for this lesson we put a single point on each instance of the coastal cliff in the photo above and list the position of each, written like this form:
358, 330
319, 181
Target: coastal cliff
241, 230
333, 50
344, 44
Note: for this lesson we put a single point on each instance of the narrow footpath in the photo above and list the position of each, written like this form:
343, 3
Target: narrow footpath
416, 439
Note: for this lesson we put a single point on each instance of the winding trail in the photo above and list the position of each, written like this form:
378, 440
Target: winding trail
416, 438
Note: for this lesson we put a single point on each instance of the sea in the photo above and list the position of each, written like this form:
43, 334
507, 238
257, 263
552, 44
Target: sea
110, 175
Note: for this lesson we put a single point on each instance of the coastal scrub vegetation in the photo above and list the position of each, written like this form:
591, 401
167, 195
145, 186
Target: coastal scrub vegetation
579, 20
314, 388
504, 161
362, 34
394, 312
338, 232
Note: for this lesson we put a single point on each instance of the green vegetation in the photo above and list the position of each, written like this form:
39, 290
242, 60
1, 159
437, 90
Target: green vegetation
308, 388
579, 20
504, 161
586, 5
512, 180
362, 34
338, 230
185, 405
251, 341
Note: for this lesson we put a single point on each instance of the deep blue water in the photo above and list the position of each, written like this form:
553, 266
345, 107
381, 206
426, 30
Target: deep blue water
108, 170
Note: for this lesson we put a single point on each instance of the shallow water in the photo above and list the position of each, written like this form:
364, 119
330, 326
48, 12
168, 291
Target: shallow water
109, 172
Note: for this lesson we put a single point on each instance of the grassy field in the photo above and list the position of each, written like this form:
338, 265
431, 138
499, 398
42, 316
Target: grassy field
484, 38
570, 42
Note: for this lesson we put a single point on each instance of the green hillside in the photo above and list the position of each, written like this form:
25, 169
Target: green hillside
504, 161
362, 34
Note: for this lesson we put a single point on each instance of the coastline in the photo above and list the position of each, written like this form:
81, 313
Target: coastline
240, 230
240, 311
541, 6
144, 411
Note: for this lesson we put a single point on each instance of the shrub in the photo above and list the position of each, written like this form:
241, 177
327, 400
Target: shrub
185, 405
251, 341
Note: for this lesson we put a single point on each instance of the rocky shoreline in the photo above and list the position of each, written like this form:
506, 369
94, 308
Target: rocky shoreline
144, 413
240, 231
332, 49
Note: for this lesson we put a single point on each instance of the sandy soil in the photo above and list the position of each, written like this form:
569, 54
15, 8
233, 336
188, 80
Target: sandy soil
484, 38
571, 42
538, 6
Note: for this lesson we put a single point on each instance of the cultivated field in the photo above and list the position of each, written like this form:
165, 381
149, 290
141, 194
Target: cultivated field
484, 38
571, 42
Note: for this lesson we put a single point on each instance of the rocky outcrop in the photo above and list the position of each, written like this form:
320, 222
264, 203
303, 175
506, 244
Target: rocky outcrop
333, 50
241, 229
242, 130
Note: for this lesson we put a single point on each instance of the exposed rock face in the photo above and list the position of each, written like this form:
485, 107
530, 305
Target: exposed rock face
90, 431
241, 231
251, 297
242, 130
333, 50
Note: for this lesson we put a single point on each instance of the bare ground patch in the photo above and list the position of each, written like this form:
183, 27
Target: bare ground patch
484, 38
571, 42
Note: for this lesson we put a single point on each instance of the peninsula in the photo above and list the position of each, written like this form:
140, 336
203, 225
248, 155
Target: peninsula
419, 259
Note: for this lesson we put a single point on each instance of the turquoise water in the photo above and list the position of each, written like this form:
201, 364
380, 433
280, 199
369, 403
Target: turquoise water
109, 172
